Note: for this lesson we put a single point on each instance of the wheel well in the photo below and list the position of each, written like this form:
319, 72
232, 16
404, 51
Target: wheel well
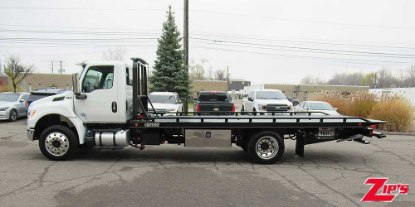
50, 120
246, 134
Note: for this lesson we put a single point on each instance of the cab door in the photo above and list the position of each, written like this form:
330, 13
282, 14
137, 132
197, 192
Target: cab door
98, 102
249, 101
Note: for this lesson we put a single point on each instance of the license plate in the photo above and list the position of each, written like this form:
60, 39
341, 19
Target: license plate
326, 132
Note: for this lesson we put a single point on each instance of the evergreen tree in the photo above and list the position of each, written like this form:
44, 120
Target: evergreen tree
170, 72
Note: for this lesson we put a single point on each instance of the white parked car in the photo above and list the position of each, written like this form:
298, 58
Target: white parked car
317, 106
266, 101
12, 105
166, 102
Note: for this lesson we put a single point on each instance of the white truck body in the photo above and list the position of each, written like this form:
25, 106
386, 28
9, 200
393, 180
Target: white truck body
96, 108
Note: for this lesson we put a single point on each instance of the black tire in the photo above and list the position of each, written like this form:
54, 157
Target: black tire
267, 143
243, 110
13, 115
244, 147
61, 141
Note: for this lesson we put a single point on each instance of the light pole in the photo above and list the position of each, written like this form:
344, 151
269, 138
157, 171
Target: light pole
186, 44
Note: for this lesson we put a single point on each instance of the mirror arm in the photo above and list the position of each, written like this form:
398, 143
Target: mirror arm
80, 96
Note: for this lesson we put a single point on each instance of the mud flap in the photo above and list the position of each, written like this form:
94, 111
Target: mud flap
299, 145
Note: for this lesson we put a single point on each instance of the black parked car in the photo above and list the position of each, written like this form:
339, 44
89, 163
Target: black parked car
42, 93
213, 102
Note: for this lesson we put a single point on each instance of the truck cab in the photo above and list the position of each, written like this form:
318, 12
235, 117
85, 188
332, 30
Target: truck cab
102, 98
105, 94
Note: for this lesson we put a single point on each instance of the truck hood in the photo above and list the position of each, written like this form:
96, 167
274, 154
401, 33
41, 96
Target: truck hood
273, 101
51, 98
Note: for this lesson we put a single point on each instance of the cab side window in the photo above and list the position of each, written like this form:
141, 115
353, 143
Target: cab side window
178, 101
251, 94
24, 97
98, 77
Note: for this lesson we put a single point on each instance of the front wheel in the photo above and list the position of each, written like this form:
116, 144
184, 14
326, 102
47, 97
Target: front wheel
266, 147
13, 115
58, 142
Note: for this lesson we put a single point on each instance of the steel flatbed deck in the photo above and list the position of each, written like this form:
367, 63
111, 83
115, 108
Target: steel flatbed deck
260, 135
288, 120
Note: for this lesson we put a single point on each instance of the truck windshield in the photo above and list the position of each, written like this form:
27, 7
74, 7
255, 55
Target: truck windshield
213, 97
320, 106
270, 95
9, 97
162, 99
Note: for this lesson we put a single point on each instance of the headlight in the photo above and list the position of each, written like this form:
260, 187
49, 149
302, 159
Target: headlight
31, 113
262, 106
4, 108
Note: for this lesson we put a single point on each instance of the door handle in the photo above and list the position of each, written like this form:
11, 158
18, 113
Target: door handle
114, 107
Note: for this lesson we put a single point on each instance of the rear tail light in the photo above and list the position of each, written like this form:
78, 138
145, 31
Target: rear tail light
374, 126
233, 107
197, 107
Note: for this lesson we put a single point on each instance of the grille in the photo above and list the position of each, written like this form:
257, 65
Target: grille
277, 107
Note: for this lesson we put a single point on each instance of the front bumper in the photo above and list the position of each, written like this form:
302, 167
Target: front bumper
30, 134
4, 115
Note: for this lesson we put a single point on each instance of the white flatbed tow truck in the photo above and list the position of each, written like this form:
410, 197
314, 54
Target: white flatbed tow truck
108, 109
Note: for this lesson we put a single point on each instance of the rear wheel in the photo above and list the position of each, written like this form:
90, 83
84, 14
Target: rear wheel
58, 142
243, 109
13, 115
266, 147
244, 145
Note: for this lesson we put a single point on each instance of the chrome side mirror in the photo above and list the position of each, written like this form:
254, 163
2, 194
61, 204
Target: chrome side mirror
75, 84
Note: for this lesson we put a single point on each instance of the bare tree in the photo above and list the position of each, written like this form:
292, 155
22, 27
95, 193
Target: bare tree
114, 54
16, 71
368, 80
384, 79
346, 79
312, 80
197, 70
220, 74
410, 81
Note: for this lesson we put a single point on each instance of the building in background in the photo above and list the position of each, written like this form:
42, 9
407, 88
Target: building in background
239, 87
4, 81
37, 81
407, 93
302, 92
208, 85
238, 84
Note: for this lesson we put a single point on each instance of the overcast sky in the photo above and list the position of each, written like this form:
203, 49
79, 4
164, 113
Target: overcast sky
267, 41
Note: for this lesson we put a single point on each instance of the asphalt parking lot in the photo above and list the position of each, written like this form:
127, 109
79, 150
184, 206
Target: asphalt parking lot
331, 174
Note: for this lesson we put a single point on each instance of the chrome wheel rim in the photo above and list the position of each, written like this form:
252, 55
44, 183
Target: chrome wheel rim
57, 144
13, 115
267, 147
